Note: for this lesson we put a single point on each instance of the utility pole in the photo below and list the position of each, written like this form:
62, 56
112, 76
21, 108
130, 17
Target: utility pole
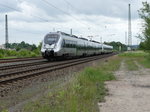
71, 31
129, 28
6, 31
126, 38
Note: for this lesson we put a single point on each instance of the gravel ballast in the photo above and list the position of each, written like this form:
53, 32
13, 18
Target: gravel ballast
130, 93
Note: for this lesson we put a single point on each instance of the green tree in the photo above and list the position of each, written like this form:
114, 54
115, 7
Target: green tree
116, 45
142, 46
40, 46
144, 13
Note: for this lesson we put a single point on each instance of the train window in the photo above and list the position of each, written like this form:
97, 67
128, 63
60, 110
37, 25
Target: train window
69, 43
51, 39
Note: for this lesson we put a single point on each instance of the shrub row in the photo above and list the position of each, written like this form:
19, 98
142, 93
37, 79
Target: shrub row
21, 53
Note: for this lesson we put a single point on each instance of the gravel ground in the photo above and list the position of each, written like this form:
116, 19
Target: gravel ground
130, 93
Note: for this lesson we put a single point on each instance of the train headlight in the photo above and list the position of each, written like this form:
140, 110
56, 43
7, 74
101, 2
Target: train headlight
47, 46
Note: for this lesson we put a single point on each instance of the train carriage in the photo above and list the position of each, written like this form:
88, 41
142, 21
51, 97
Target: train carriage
60, 44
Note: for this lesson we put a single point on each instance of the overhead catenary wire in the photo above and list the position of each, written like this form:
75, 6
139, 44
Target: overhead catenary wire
3, 5
51, 5
76, 9
66, 13
40, 18
33, 15
70, 5
43, 19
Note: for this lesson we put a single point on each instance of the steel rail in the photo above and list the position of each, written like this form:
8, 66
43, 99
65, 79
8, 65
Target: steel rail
15, 76
18, 59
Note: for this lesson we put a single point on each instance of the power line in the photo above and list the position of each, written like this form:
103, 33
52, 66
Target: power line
67, 2
70, 4
51, 5
45, 20
48, 3
20, 12
10, 7
35, 16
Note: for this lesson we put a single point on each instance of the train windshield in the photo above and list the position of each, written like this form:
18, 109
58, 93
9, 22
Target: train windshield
51, 39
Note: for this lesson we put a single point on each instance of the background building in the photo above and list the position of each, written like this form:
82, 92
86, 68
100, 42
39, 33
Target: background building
2, 47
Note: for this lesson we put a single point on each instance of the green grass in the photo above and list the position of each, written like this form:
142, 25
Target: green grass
4, 53
133, 54
10, 57
5, 111
80, 95
145, 62
141, 57
130, 63
111, 65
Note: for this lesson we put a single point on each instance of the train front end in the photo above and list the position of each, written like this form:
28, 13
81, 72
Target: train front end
50, 46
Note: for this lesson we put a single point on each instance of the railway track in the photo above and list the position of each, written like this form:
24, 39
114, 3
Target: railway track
18, 59
16, 76
16, 66
9, 68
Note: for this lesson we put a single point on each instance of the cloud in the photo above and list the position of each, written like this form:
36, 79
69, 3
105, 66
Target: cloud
30, 20
9, 6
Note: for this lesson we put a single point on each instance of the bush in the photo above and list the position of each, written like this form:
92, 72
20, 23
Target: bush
2, 51
20, 53
13, 53
33, 54
24, 53
7, 53
1, 56
10, 53
37, 51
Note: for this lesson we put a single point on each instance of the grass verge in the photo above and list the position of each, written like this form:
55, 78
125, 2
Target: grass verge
145, 62
130, 63
81, 94
138, 56
133, 54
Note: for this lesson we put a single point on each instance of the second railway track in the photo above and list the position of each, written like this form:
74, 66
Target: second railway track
10, 78
18, 59
15, 66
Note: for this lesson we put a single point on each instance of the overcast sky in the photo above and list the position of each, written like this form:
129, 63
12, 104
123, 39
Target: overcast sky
30, 20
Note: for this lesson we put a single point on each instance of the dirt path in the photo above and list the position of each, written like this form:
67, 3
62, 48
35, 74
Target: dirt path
131, 93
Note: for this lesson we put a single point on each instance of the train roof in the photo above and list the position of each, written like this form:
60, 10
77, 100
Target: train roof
83, 38
67, 34
95, 41
63, 33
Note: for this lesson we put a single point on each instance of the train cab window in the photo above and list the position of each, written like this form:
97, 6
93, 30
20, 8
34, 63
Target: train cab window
51, 38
